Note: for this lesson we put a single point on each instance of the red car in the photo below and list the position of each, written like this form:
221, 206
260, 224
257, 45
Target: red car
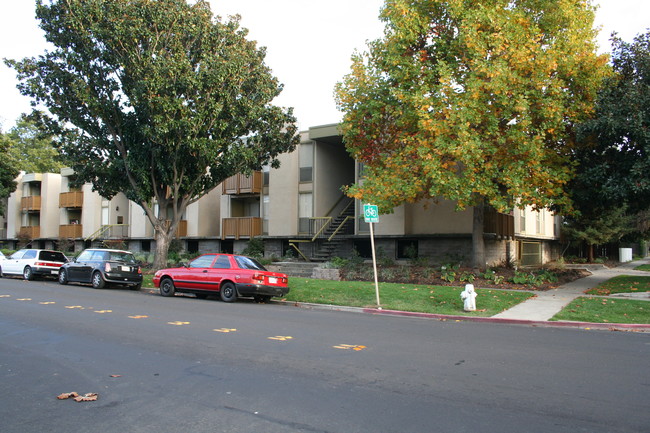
229, 275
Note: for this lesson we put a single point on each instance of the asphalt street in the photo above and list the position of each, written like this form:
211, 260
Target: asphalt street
187, 365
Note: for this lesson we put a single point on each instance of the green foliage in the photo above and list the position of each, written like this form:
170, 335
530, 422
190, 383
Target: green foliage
612, 188
33, 149
8, 170
338, 263
255, 248
534, 279
491, 275
448, 272
159, 100
468, 277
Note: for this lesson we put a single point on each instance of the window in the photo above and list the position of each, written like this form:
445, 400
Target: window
30, 254
202, 262
522, 220
265, 213
305, 201
531, 253
266, 172
407, 249
249, 263
222, 262
539, 223
306, 162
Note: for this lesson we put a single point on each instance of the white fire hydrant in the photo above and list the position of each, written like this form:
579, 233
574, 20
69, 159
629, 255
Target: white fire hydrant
469, 298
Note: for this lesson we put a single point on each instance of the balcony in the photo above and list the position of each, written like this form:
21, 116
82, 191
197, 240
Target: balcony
31, 203
503, 225
70, 231
73, 199
30, 232
241, 228
241, 184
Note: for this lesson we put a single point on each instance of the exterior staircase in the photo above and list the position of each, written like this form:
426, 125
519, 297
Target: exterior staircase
331, 240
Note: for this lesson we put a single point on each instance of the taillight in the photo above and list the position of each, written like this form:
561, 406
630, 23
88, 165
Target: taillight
57, 265
139, 270
107, 267
258, 277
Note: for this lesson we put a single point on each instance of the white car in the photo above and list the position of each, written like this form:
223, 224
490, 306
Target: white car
31, 263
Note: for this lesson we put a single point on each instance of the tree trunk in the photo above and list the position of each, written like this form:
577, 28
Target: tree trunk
478, 242
163, 239
590, 253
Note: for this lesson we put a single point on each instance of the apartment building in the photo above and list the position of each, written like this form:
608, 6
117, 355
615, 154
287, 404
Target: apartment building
298, 209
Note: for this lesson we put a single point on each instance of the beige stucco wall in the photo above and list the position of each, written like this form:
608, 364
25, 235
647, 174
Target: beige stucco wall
50, 189
283, 196
428, 217
204, 216
91, 213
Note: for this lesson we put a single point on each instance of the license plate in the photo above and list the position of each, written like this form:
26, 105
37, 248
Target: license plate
125, 268
54, 272
273, 280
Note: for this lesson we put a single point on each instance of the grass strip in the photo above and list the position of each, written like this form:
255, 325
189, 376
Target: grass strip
603, 310
621, 284
404, 297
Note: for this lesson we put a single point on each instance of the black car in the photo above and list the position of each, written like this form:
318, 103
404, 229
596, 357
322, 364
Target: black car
100, 267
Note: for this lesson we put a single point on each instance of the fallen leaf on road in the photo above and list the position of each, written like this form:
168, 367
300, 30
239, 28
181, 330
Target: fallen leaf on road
91, 396
67, 395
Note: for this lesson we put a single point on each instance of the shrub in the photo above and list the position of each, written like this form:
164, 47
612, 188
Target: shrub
448, 272
254, 248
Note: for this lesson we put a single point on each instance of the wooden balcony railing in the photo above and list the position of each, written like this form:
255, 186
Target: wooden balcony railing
502, 225
31, 232
33, 202
71, 231
240, 184
181, 230
71, 199
238, 228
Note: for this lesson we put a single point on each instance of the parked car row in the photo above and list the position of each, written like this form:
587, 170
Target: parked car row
227, 275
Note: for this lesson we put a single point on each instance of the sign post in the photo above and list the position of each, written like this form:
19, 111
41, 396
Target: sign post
371, 216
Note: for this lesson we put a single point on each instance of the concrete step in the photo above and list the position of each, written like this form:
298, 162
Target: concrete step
294, 269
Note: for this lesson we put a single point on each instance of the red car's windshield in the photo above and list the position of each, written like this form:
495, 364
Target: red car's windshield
248, 263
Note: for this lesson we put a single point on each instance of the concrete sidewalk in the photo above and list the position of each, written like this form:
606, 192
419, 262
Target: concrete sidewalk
547, 304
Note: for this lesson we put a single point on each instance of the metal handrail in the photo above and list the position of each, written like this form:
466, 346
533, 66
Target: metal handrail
103, 230
323, 227
295, 247
339, 227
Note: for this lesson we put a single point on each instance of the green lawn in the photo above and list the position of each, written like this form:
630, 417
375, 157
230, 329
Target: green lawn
403, 297
603, 310
621, 284
643, 268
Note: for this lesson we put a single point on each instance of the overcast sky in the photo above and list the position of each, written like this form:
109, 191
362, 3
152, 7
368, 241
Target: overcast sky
309, 44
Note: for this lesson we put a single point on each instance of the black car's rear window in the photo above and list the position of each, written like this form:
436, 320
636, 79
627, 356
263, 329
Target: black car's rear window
247, 263
52, 256
118, 256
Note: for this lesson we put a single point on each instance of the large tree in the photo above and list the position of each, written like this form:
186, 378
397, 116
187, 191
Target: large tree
472, 101
613, 172
158, 100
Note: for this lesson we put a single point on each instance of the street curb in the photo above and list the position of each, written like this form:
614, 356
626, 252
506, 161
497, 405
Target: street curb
629, 327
